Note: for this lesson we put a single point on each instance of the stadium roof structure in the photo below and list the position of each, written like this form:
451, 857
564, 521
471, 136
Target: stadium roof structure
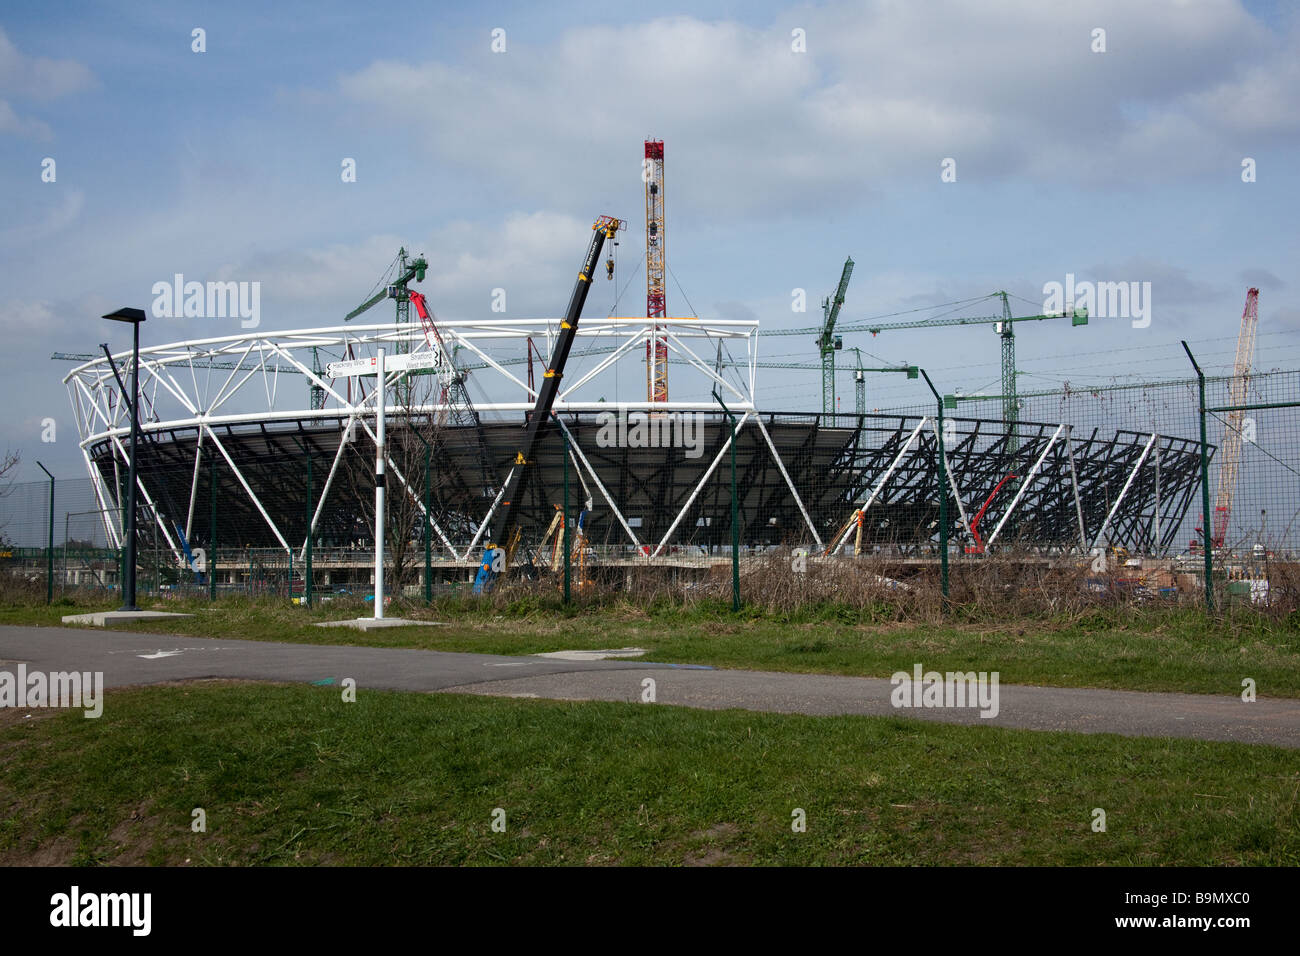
802, 477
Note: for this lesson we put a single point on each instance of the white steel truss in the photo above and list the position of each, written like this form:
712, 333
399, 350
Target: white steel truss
209, 383
211, 390
1128, 483
888, 473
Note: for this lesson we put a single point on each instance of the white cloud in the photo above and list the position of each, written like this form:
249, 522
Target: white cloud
526, 254
20, 317
1261, 278
1170, 285
884, 92
11, 122
37, 77
63, 213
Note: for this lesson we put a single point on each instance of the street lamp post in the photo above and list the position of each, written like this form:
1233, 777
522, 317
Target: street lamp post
49, 548
134, 317
943, 496
735, 511
1208, 541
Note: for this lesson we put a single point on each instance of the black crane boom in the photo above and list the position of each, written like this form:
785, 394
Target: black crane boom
539, 420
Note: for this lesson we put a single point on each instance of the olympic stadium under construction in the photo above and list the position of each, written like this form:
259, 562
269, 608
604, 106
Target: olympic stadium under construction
264, 440
252, 430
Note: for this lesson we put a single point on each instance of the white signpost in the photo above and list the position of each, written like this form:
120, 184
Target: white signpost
372, 366
381, 390
379, 367
410, 362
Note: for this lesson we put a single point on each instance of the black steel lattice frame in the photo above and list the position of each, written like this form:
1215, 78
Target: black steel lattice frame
835, 463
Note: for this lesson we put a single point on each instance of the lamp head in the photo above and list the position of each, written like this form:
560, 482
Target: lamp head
132, 316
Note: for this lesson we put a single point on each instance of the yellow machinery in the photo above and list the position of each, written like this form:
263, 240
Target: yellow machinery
856, 517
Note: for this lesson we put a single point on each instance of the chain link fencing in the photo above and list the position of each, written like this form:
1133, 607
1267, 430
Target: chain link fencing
1089, 495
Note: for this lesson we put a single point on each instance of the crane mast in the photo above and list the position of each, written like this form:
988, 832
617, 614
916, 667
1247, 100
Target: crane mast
1230, 460
828, 341
860, 378
1006, 329
656, 348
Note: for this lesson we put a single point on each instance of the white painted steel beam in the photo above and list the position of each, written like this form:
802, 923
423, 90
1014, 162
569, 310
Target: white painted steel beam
1124, 491
790, 484
708, 473
898, 459
1024, 485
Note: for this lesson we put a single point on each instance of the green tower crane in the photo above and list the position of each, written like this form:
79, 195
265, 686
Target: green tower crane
860, 378
859, 370
408, 269
1003, 324
828, 342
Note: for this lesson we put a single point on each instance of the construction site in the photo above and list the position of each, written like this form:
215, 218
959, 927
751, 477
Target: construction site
502, 459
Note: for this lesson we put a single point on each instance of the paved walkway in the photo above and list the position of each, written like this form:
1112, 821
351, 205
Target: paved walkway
128, 659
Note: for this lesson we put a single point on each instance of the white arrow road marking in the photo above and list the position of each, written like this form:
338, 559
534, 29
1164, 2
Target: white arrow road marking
136, 651
158, 654
593, 655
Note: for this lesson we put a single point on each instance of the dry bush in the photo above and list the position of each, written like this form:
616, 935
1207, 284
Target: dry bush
984, 590
874, 587
1283, 588
22, 589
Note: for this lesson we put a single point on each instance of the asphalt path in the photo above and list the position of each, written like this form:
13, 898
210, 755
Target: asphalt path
128, 659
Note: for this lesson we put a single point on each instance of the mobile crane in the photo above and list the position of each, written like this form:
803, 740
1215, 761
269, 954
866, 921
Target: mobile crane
502, 544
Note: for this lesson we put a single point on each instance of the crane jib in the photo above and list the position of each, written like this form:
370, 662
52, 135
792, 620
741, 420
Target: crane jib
539, 420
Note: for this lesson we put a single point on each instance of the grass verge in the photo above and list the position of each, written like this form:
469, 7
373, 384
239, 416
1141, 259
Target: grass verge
292, 775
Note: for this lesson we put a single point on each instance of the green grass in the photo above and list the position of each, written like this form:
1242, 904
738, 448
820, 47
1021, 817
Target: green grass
292, 775
1157, 649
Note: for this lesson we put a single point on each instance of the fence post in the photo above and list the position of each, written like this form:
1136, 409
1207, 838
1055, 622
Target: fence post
121, 526
428, 522
735, 509
564, 520
212, 528
943, 499
306, 577
1207, 544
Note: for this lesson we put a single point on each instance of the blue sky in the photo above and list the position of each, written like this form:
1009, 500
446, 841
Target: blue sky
1115, 166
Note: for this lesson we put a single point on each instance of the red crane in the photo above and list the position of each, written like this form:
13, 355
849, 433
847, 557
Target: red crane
656, 347
1230, 460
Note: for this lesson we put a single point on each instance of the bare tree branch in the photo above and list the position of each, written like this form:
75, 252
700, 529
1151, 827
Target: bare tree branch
8, 462
414, 444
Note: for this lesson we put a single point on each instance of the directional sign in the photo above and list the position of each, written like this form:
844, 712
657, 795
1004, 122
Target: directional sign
351, 367
392, 363
415, 360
